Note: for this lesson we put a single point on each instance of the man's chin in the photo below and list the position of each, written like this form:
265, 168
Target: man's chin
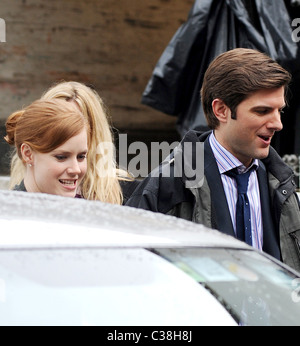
263, 154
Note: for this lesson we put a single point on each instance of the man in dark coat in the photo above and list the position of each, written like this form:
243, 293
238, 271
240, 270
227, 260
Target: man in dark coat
243, 96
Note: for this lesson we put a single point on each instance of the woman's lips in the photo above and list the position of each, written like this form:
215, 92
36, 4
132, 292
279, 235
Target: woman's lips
69, 184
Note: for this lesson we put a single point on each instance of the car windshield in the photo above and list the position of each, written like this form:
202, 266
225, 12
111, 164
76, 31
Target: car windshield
255, 290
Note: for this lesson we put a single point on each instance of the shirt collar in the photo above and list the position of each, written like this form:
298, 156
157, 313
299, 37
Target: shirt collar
225, 160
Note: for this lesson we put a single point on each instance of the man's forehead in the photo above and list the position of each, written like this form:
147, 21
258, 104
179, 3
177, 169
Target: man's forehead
270, 98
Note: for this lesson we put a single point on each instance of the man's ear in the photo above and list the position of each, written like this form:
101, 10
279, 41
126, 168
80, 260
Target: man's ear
27, 154
221, 110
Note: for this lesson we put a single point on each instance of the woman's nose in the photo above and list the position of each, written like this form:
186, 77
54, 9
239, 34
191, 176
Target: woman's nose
74, 168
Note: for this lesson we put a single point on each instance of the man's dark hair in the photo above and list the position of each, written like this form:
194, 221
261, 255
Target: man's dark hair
235, 75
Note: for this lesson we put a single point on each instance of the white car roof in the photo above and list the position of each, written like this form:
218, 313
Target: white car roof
40, 220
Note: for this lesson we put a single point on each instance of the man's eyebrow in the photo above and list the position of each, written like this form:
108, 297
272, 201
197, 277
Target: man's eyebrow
267, 107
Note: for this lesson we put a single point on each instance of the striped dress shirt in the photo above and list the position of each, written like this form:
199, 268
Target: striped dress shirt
226, 162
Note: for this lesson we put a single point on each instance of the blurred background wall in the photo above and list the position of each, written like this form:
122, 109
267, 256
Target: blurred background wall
112, 44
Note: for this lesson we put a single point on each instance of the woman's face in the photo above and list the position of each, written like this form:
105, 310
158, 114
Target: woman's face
61, 171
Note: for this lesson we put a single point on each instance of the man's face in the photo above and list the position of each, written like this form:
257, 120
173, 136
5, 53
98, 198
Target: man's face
258, 117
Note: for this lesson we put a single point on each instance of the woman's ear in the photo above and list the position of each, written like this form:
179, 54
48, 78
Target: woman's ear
221, 110
27, 154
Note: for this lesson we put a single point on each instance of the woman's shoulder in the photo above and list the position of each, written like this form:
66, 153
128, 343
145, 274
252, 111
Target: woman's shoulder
20, 187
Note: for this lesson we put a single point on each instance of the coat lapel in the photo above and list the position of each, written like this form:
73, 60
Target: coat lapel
221, 219
270, 238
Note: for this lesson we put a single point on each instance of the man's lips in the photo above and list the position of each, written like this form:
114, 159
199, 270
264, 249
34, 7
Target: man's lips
266, 138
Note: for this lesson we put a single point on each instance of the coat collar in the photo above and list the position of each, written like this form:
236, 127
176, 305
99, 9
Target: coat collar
273, 163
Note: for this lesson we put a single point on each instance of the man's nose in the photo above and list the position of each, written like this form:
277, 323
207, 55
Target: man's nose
275, 122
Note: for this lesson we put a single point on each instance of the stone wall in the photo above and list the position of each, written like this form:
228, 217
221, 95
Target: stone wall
111, 44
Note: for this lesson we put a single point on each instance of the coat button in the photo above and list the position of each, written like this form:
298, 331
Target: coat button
284, 192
